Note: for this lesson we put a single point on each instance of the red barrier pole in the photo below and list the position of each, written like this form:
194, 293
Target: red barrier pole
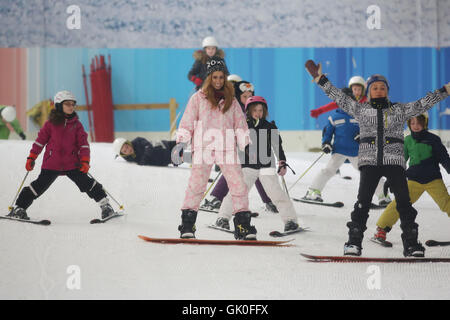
87, 105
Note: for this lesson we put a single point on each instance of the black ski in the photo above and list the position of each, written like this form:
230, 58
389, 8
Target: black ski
337, 204
434, 243
384, 243
279, 234
39, 222
115, 215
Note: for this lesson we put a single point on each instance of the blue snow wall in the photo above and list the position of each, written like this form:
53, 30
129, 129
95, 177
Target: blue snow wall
156, 75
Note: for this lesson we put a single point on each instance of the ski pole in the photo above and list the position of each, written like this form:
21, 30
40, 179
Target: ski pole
285, 186
213, 183
307, 170
106, 191
17, 194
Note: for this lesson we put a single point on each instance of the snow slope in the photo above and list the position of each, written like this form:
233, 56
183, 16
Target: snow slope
112, 263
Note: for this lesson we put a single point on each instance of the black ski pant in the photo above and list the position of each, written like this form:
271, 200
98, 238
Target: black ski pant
369, 178
45, 179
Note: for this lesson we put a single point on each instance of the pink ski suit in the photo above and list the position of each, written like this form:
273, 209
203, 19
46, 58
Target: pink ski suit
214, 136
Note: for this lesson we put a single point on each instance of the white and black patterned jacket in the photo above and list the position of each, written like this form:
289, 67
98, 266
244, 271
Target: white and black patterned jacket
381, 126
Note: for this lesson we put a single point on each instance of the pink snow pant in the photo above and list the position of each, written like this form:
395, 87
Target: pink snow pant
198, 180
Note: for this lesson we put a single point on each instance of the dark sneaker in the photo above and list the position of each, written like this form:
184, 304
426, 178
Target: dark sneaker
223, 223
18, 213
291, 226
187, 227
242, 228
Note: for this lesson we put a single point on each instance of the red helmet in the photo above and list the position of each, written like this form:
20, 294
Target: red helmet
254, 99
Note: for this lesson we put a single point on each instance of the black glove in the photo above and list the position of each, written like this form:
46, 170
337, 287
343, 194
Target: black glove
326, 147
22, 135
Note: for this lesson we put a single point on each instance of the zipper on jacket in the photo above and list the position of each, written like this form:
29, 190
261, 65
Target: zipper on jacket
380, 140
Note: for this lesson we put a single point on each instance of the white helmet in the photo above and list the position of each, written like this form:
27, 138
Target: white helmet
117, 145
234, 78
210, 42
63, 96
9, 113
357, 80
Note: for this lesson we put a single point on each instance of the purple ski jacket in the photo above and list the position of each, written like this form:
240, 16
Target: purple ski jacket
64, 144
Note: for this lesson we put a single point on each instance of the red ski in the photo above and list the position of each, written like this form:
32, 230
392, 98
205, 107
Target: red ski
372, 260
218, 242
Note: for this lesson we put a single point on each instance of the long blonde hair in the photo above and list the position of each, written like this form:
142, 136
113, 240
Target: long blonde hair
228, 91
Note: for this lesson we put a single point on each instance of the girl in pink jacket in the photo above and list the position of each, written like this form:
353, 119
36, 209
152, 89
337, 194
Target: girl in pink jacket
214, 123
66, 153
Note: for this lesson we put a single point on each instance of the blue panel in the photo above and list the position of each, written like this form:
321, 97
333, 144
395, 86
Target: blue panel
156, 75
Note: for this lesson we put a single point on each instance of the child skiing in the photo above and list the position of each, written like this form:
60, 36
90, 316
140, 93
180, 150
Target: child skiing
198, 72
214, 122
243, 90
66, 153
425, 152
260, 164
380, 153
343, 130
144, 152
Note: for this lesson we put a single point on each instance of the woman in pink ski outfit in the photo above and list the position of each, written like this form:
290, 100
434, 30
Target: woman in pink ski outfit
214, 123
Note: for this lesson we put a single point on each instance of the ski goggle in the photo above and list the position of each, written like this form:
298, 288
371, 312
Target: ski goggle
246, 87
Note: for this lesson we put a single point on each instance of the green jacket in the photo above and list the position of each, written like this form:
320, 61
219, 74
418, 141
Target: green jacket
425, 152
4, 131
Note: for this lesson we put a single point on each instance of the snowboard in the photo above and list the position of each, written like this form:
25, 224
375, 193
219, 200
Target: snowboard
337, 204
260, 243
369, 259
32, 221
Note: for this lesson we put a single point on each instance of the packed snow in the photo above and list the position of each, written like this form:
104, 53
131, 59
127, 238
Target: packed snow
72, 259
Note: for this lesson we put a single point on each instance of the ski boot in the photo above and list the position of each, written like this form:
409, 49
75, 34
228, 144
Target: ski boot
242, 228
270, 207
314, 195
213, 204
107, 210
18, 213
291, 226
187, 227
223, 223
380, 235
411, 247
353, 246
